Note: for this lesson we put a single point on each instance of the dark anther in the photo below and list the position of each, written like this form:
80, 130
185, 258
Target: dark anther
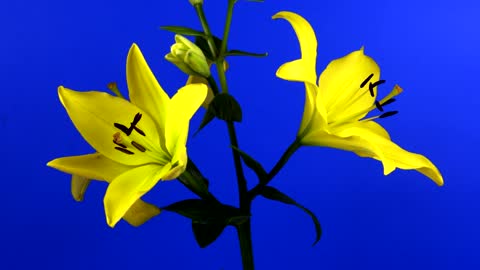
389, 101
132, 127
123, 128
366, 80
128, 152
139, 131
373, 85
137, 118
138, 146
387, 114
378, 105
119, 144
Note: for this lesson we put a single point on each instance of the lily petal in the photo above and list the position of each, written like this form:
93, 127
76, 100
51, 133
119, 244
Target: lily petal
91, 166
340, 85
393, 154
314, 113
181, 109
196, 79
78, 186
94, 115
144, 90
180, 160
349, 141
303, 69
140, 212
128, 187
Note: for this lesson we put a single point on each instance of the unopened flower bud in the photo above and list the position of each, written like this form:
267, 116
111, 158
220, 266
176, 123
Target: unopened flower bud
196, 2
188, 57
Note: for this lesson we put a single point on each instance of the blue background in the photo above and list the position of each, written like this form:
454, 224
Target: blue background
370, 221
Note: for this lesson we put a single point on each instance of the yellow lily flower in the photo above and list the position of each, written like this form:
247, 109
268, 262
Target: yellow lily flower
139, 142
335, 108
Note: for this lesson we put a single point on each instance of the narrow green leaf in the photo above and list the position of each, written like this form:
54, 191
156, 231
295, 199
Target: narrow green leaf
202, 211
274, 194
243, 53
183, 30
195, 209
205, 234
253, 164
224, 107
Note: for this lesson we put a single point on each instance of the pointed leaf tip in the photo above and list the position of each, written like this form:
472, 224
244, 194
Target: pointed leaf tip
182, 30
206, 234
244, 53
275, 195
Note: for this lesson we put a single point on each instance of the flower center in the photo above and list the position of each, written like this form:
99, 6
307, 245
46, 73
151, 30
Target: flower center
136, 141
361, 92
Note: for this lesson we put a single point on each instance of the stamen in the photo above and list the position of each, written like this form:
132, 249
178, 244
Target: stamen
390, 101
395, 91
373, 85
132, 127
119, 144
138, 146
139, 131
113, 87
137, 118
366, 80
378, 105
387, 114
128, 152
123, 128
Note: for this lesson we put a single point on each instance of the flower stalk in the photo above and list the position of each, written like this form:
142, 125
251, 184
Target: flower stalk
243, 229
276, 169
206, 29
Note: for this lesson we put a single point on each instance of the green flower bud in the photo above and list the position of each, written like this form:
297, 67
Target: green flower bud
186, 43
188, 57
196, 2
180, 64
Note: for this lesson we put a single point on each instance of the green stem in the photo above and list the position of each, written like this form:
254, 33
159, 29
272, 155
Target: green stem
241, 181
226, 31
213, 85
221, 76
244, 230
280, 163
206, 29
245, 238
